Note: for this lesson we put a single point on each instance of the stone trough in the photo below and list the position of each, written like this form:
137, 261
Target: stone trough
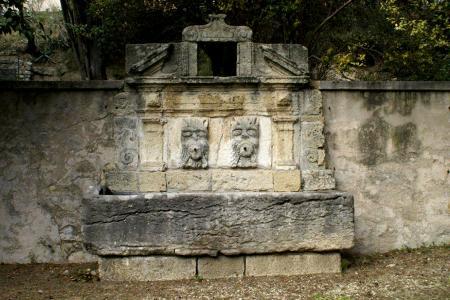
220, 165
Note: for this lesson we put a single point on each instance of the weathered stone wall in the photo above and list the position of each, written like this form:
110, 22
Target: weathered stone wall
54, 140
388, 143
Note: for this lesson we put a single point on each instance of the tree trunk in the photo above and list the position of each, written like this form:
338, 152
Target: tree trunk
87, 51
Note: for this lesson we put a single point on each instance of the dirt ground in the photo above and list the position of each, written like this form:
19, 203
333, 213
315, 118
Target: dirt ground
407, 274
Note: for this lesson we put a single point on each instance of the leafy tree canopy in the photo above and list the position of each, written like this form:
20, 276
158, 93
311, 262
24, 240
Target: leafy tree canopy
361, 39
13, 17
402, 39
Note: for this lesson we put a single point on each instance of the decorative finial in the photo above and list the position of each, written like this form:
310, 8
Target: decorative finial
217, 17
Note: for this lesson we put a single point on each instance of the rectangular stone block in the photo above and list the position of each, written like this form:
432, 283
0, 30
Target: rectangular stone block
152, 144
312, 102
185, 181
146, 268
220, 267
242, 180
152, 182
244, 64
315, 180
208, 223
312, 135
122, 182
292, 264
286, 181
283, 146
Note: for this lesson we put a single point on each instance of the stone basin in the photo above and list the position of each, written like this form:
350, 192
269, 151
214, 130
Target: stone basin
234, 223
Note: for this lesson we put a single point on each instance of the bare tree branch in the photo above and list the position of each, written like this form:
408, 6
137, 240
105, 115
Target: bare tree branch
313, 34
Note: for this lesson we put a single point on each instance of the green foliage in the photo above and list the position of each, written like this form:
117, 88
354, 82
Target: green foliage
50, 33
420, 44
44, 31
345, 264
319, 296
13, 17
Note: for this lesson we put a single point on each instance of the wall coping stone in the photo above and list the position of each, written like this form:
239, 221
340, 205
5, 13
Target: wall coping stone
212, 80
63, 85
321, 85
382, 85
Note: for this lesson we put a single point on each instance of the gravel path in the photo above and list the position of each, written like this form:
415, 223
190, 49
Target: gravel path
408, 274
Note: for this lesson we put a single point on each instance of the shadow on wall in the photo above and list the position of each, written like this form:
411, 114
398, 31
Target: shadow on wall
379, 141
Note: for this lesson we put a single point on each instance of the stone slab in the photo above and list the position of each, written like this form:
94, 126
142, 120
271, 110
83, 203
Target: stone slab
220, 267
293, 264
213, 223
147, 268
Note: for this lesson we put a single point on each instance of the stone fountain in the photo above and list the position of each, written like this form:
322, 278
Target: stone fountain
220, 166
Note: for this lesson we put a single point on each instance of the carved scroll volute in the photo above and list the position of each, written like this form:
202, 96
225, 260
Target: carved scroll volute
125, 134
245, 142
194, 144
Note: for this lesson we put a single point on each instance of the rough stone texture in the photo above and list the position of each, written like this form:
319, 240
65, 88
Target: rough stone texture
292, 264
147, 268
212, 223
13, 67
286, 181
391, 151
241, 180
316, 180
220, 267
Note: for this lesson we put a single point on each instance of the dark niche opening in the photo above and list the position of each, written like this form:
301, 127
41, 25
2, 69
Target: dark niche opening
216, 59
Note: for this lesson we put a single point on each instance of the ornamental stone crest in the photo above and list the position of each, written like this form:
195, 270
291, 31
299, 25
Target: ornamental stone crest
194, 144
245, 140
217, 31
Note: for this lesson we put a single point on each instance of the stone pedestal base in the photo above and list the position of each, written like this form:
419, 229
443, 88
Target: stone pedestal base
154, 268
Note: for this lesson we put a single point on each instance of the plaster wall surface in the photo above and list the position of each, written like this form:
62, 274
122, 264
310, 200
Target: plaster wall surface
391, 150
53, 144
389, 147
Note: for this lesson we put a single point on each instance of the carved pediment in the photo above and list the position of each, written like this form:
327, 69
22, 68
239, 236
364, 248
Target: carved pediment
217, 31
152, 61
281, 63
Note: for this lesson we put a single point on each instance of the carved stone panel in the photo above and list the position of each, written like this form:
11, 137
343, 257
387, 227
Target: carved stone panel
312, 141
245, 142
280, 60
125, 134
194, 144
